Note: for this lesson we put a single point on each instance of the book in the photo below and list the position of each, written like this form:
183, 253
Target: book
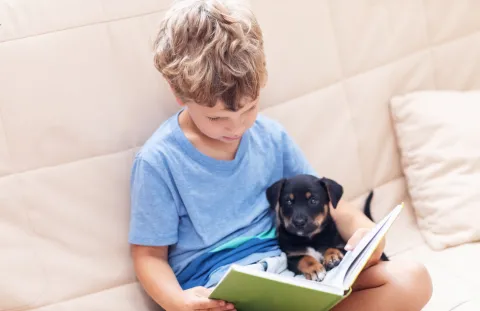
253, 290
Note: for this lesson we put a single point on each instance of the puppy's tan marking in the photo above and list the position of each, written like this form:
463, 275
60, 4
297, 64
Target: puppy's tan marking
308, 252
311, 268
291, 196
319, 220
333, 257
286, 220
308, 195
322, 216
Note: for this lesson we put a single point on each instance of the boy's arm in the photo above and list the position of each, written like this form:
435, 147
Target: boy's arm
351, 224
156, 276
159, 281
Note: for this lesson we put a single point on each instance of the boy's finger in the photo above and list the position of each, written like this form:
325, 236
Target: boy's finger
352, 242
205, 303
228, 307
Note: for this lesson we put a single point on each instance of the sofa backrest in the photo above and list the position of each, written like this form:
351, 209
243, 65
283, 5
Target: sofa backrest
79, 95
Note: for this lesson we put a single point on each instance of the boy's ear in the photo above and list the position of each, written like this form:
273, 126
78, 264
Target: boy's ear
334, 190
273, 192
179, 101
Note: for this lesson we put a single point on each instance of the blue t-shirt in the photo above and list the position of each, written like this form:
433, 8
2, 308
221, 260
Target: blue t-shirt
211, 213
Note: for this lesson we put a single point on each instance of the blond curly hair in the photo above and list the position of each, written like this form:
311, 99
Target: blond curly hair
210, 51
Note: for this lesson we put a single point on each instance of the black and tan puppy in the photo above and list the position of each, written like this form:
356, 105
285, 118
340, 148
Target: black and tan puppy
305, 228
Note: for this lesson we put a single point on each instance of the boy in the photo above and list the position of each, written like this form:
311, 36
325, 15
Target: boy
198, 184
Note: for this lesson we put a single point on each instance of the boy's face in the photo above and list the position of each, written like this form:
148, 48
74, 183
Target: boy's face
221, 124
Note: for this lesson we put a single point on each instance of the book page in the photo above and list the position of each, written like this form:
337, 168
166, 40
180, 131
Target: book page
359, 262
336, 276
346, 272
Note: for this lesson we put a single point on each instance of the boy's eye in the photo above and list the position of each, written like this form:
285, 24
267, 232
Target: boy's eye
214, 118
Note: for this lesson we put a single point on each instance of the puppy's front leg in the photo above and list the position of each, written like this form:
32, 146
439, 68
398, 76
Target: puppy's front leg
332, 257
311, 268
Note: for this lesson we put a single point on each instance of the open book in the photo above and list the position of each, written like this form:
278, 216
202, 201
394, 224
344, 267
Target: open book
252, 290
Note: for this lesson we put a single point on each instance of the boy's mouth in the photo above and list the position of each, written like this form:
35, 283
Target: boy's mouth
231, 138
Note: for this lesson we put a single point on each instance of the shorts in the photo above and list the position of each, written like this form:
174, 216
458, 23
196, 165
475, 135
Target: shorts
277, 265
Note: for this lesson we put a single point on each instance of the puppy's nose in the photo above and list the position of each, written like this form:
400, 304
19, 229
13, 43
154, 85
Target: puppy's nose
299, 221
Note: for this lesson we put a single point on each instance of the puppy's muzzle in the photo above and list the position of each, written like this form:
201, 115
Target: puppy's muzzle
299, 221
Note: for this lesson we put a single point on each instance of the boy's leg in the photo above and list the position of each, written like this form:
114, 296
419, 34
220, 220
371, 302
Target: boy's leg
391, 285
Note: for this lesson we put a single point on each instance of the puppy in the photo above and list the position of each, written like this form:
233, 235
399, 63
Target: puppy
305, 229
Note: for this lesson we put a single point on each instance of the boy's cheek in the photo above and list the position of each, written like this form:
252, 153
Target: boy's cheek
209, 130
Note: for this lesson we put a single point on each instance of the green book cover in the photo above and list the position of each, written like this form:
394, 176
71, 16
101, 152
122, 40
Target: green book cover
258, 291
253, 290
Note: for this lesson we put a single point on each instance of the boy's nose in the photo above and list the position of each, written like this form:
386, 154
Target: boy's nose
238, 122
236, 130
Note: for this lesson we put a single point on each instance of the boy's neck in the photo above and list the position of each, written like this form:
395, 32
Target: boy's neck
210, 147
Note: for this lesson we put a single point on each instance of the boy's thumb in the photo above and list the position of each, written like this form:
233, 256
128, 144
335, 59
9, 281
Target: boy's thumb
355, 239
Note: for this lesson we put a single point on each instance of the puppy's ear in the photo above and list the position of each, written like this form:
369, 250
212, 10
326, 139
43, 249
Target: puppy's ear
334, 190
273, 192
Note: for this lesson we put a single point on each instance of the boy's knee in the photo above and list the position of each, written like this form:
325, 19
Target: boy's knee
421, 277
415, 284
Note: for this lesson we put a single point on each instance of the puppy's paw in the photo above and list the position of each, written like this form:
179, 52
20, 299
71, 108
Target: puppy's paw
312, 269
332, 258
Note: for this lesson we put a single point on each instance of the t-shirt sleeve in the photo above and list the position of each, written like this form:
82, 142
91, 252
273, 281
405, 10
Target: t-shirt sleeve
154, 216
294, 160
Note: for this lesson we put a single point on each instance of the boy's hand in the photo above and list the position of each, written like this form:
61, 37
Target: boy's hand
197, 299
355, 239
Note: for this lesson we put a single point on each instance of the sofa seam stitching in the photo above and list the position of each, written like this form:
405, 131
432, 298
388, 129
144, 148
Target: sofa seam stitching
27, 171
382, 65
34, 307
84, 25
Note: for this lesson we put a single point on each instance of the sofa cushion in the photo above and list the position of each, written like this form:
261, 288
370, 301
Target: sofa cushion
440, 152
454, 272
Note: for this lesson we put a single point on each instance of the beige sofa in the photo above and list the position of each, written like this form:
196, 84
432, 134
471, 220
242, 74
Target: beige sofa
79, 95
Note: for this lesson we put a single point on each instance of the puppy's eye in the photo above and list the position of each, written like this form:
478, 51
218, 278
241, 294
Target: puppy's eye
289, 202
313, 201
